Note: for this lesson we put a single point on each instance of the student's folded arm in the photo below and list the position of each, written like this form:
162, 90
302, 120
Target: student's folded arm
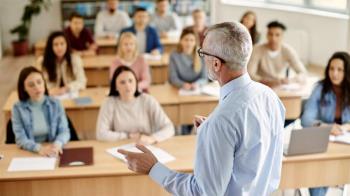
22, 140
80, 79
253, 66
211, 176
311, 109
104, 128
63, 133
163, 126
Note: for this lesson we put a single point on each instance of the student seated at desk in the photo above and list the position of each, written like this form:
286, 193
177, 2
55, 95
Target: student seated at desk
329, 102
270, 62
249, 20
127, 113
80, 38
38, 118
166, 22
186, 68
146, 36
111, 21
199, 24
127, 54
62, 70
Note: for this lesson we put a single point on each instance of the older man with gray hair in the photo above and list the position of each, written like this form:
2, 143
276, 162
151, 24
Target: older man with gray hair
239, 146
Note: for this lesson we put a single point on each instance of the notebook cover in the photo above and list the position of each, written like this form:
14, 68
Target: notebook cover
82, 155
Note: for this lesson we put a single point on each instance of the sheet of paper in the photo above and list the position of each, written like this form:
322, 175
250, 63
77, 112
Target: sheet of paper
345, 138
69, 95
183, 92
212, 90
161, 155
152, 57
32, 164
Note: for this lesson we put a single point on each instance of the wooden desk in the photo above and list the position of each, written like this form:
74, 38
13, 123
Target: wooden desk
84, 118
109, 46
97, 69
109, 176
180, 109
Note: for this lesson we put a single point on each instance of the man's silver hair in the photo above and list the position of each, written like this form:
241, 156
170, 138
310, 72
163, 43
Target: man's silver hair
230, 41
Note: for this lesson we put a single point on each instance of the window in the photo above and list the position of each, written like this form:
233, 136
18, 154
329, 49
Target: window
337, 6
295, 2
330, 4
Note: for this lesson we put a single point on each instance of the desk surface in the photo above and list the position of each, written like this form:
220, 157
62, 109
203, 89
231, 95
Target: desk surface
112, 42
105, 61
182, 147
165, 94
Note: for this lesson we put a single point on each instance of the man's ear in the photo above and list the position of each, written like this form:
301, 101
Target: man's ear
217, 65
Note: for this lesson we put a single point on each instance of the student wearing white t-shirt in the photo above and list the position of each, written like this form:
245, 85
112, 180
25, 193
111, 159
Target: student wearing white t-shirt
111, 21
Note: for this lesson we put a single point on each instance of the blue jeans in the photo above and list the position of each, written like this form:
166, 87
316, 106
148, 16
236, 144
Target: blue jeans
319, 191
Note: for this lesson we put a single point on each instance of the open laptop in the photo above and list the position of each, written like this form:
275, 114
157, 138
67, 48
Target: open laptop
307, 141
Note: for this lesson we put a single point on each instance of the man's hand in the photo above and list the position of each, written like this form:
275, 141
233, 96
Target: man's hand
140, 162
198, 120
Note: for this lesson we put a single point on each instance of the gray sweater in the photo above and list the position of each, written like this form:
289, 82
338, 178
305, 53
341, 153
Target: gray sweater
181, 70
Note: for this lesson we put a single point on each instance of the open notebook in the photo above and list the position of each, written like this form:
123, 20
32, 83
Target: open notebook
345, 138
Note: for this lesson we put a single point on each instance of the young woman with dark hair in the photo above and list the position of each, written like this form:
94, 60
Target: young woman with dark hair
127, 113
249, 20
62, 70
186, 68
329, 102
38, 118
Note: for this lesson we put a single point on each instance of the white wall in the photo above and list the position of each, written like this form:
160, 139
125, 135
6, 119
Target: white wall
326, 34
11, 12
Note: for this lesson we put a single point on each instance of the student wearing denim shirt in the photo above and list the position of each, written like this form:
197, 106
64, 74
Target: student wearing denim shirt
329, 102
38, 118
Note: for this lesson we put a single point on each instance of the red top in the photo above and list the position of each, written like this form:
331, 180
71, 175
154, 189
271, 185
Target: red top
82, 42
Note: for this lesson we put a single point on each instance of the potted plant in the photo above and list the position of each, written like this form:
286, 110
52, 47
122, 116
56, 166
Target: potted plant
21, 46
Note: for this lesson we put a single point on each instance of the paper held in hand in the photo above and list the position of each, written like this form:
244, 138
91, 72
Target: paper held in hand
161, 155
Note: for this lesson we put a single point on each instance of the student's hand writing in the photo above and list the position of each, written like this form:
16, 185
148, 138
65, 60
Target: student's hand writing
187, 86
336, 130
155, 52
140, 162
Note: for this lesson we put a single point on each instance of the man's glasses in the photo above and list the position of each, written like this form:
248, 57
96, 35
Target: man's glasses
201, 54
